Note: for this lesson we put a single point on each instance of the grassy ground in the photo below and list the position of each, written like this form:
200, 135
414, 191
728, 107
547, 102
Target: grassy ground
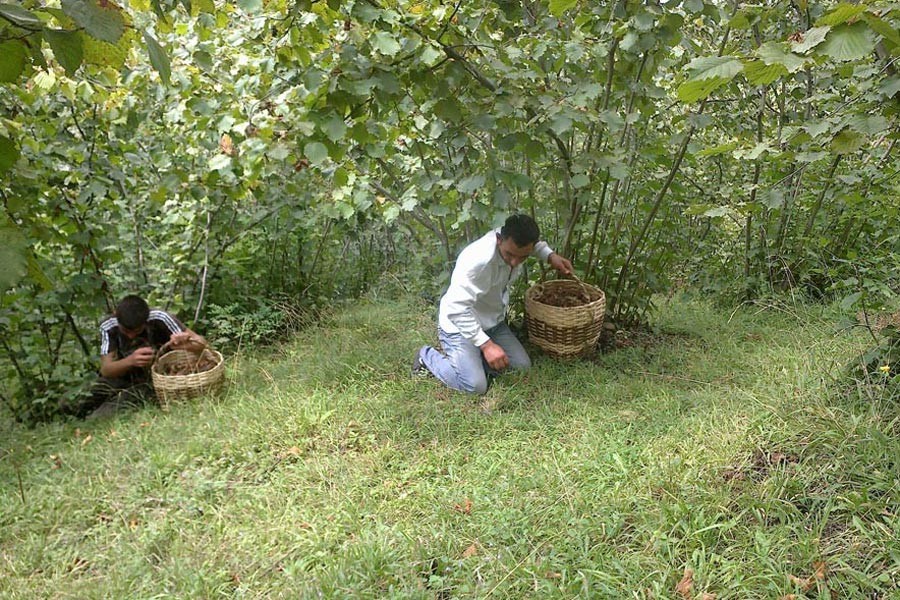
721, 445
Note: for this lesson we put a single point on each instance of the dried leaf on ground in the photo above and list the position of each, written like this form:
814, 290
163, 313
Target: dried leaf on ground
821, 570
87, 439
804, 583
465, 508
470, 551
686, 584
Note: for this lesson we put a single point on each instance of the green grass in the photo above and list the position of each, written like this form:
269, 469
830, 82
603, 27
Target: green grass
724, 443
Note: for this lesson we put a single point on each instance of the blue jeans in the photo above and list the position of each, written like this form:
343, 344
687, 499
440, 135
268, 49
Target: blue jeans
462, 366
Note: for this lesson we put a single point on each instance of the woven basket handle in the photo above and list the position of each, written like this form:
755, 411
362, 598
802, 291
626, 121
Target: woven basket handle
199, 353
168, 345
581, 283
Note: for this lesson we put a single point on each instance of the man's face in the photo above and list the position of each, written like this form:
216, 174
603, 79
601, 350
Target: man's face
132, 333
510, 253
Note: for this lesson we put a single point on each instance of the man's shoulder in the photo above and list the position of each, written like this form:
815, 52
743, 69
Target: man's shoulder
109, 323
165, 318
481, 251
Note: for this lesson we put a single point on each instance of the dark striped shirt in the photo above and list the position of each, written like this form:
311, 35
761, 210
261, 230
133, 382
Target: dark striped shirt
160, 327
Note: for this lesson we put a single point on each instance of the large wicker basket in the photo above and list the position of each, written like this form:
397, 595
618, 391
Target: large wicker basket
565, 331
171, 388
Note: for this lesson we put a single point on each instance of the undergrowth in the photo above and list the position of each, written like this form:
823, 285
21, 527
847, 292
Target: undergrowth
727, 453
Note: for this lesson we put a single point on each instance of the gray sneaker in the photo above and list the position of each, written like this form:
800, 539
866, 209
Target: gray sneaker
418, 367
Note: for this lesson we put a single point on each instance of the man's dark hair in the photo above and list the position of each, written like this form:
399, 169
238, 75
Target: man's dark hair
132, 312
522, 229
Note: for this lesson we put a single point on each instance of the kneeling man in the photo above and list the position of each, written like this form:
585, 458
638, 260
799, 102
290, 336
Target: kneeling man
472, 328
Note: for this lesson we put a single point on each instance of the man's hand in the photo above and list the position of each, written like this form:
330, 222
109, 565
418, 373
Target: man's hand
494, 355
142, 357
562, 265
182, 338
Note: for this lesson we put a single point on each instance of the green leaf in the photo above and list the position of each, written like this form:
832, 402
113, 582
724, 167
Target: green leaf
385, 43
772, 53
67, 48
9, 154
470, 185
581, 180
739, 21
692, 91
558, 7
867, 124
20, 17
759, 73
889, 87
334, 128
847, 142
219, 162
693, 6
430, 55
316, 152
714, 67
13, 256
14, 55
37, 274
250, 6
810, 39
560, 124
842, 13
341, 177
104, 22
716, 150
448, 109
612, 119
882, 28
849, 42
817, 128
758, 150
850, 300
279, 152
203, 60
719, 211
158, 57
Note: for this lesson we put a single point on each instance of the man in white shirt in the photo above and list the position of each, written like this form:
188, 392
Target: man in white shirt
472, 327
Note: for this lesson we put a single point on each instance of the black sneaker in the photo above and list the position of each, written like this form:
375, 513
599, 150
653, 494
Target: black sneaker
418, 367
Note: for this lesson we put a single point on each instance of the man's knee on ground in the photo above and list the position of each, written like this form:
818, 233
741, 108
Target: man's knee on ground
477, 386
520, 363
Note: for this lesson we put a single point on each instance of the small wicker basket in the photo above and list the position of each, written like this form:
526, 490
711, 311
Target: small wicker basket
171, 388
564, 331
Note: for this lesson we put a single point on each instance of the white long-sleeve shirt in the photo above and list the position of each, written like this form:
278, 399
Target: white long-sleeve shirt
478, 296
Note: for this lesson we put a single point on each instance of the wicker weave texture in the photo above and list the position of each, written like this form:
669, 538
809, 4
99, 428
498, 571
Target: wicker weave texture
560, 330
171, 388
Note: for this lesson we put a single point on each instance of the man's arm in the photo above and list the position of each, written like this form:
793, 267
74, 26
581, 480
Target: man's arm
562, 265
460, 303
543, 251
113, 367
188, 340
461, 313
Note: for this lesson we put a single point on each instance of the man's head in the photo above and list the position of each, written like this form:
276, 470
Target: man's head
132, 314
517, 238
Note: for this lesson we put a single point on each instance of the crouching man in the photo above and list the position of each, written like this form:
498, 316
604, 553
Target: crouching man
476, 341
129, 341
